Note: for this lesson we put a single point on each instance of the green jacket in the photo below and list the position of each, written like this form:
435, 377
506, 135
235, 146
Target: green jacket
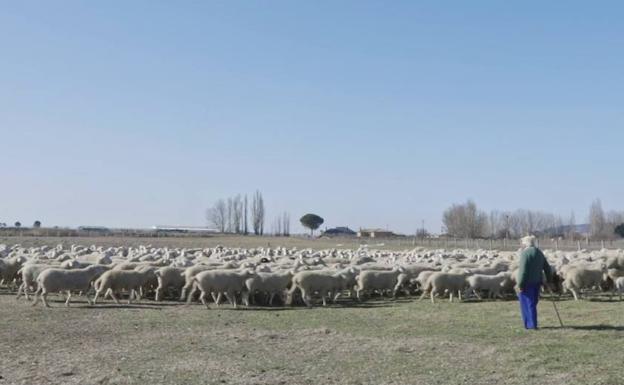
530, 266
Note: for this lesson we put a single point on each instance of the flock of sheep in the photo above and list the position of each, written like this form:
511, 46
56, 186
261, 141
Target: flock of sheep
260, 275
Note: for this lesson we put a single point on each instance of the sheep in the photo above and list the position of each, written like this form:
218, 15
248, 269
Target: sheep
29, 273
168, 278
439, 282
75, 264
189, 275
370, 280
271, 283
579, 277
324, 282
423, 276
492, 283
116, 280
228, 282
619, 286
9, 268
56, 280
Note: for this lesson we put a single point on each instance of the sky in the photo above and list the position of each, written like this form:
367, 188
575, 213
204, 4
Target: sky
367, 113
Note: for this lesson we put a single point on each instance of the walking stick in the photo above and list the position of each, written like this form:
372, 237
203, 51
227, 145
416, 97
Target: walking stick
552, 299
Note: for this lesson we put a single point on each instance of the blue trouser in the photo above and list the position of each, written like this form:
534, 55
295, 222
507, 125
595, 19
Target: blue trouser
529, 298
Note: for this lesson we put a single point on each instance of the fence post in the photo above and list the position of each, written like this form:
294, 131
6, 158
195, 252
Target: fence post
578, 245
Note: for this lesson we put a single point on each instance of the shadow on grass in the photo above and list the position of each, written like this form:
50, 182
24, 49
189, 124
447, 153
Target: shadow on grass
588, 327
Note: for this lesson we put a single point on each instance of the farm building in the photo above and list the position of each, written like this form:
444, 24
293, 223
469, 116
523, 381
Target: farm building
339, 231
375, 233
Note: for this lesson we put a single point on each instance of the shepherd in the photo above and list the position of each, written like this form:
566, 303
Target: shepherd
531, 265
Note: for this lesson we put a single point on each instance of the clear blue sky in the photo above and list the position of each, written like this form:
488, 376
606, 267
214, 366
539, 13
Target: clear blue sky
368, 113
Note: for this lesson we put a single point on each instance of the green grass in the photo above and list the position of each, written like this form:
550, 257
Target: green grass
378, 342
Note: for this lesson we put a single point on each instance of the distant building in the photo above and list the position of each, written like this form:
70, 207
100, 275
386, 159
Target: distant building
339, 231
375, 233
95, 229
184, 229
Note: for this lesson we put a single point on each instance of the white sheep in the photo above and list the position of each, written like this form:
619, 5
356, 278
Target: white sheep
9, 268
492, 283
370, 280
619, 286
325, 282
189, 277
228, 282
271, 283
29, 273
168, 278
61, 280
579, 277
116, 280
439, 282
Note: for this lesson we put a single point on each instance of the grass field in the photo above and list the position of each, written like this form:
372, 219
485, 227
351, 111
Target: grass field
401, 341
232, 240
208, 241
378, 342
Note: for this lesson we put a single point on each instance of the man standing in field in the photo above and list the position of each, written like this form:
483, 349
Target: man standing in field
531, 264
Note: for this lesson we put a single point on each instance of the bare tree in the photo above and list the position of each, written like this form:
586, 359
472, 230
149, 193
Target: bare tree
257, 213
217, 215
286, 224
245, 225
237, 214
465, 220
613, 219
597, 221
571, 233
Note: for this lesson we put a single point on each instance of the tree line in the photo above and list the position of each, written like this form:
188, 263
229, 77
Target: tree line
241, 215
36, 224
466, 220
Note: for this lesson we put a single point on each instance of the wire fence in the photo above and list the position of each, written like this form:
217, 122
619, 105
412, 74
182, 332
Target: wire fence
395, 243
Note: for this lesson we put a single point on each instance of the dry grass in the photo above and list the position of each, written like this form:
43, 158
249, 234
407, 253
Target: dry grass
211, 241
378, 342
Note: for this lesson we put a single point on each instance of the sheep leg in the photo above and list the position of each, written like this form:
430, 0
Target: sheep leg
459, 295
68, 298
218, 299
337, 296
26, 288
192, 292
574, 294
477, 294
432, 295
245, 298
306, 298
19, 290
231, 297
36, 295
324, 301
44, 297
112, 294
271, 299
183, 293
202, 298
451, 296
